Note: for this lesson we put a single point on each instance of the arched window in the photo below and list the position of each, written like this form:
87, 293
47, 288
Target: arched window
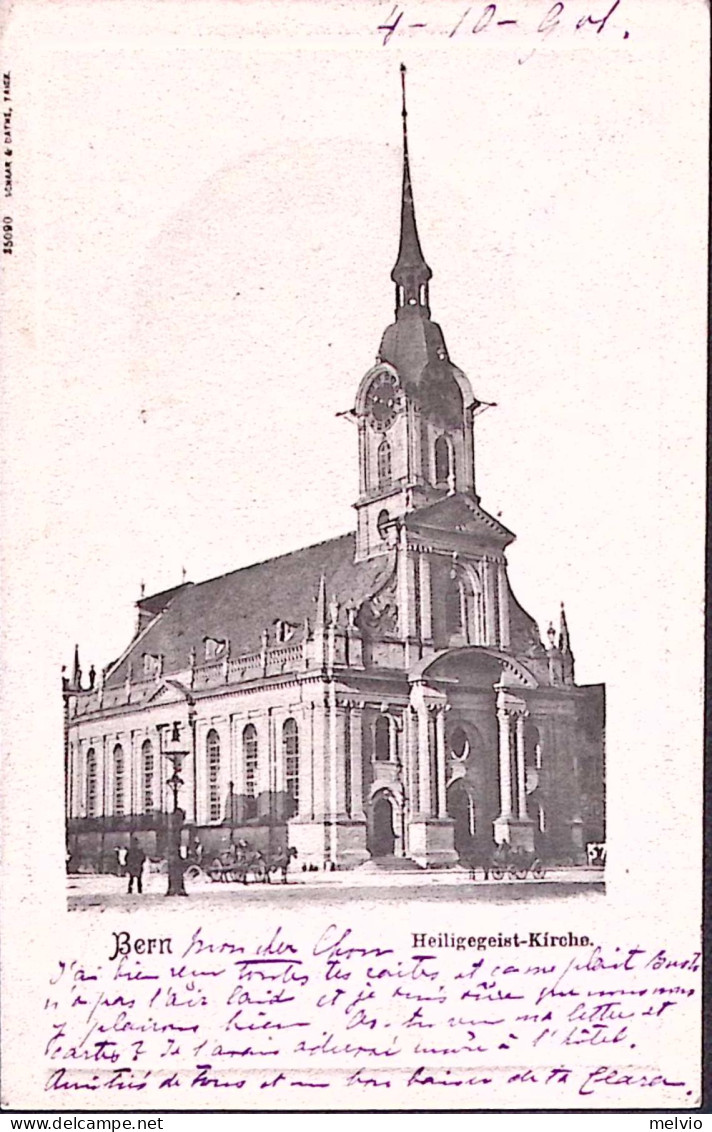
442, 461
384, 464
249, 757
91, 783
382, 739
453, 607
147, 766
212, 750
290, 750
381, 522
119, 779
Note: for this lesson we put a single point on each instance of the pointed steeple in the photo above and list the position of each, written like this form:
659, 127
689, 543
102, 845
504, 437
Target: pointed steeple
411, 273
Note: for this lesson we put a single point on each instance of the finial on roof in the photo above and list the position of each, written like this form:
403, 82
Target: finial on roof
143, 589
183, 573
564, 640
76, 670
411, 273
551, 634
320, 619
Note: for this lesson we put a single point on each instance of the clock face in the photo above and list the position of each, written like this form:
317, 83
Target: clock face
383, 400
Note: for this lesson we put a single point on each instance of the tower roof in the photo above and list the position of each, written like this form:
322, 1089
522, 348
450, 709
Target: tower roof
410, 269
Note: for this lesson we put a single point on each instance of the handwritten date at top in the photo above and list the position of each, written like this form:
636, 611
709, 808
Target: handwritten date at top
476, 20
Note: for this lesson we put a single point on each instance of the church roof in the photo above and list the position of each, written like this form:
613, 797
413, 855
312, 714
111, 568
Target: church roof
240, 605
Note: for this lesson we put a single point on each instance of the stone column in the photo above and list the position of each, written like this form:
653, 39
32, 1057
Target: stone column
521, 774
134, 775
426, 612
319, 753
356, 755
489, 584
440, 755
424, 782
161, 762
74, 797
237, 772
103, 795
307, 808
340, 722
505, 766
410, 762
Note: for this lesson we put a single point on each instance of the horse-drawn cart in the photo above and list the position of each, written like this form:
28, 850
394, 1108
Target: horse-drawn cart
239, 864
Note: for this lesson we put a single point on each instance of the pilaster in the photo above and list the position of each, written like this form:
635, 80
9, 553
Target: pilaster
503, 591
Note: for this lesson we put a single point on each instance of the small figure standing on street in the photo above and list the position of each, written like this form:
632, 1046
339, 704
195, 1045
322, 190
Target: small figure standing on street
135, 859
121, 858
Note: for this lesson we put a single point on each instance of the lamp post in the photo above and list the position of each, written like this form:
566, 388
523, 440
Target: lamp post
175, 755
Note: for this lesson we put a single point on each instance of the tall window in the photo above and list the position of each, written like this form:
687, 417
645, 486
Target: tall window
290, 750
91, 783
453, 607
382, 739
147, 775
119, 779
384, 464
381, 523
212, 750
442, 460
249, 755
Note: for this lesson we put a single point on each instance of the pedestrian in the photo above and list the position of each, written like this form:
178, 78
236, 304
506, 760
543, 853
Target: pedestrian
135, 859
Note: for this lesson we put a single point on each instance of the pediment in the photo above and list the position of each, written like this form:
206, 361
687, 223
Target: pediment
460, 514
165, 694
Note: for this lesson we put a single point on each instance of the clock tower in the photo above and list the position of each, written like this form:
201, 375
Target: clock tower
414, 407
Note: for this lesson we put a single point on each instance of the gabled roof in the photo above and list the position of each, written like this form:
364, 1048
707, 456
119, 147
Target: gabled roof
239, 606
460, 513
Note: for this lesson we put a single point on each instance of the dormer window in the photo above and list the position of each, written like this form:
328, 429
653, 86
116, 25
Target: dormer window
284, 631
152, 665
214, 649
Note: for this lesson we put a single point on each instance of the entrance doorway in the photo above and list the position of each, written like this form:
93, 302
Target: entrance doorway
461, 808
383, 840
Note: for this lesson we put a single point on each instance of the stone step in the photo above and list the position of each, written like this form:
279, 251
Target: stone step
390, 864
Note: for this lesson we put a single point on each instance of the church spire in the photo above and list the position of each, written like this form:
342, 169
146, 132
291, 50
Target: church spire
411, 273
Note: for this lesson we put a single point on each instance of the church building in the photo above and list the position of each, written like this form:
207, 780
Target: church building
378, 696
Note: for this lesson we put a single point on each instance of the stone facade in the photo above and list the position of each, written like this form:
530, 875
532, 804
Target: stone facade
379, 695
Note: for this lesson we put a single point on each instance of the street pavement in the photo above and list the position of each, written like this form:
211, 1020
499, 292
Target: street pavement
94, 891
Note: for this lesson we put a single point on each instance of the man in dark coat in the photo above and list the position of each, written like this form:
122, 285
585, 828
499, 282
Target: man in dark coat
134, 865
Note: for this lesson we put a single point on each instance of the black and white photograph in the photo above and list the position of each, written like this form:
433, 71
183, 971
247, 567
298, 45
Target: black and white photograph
377, 701
353, 552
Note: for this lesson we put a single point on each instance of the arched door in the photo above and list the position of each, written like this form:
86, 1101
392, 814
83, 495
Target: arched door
461, 808
384, 838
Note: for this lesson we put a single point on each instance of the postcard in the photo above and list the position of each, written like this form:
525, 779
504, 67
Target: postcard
353, 555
